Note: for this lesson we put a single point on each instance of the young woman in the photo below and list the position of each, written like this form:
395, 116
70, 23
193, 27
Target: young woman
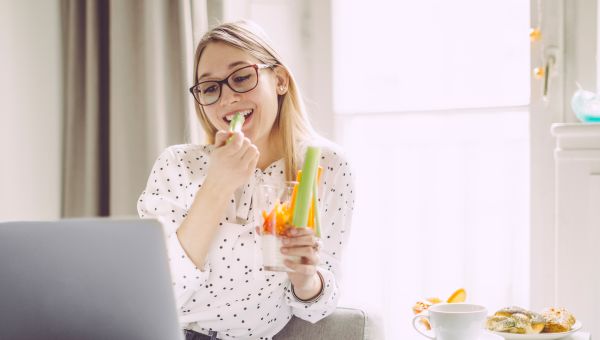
203, 196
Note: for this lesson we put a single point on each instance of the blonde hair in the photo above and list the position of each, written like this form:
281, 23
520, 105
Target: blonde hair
291, 121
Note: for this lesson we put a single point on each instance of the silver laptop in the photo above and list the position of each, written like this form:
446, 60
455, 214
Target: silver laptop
85, 279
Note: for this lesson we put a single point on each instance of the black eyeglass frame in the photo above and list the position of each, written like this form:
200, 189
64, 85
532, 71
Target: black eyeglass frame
226, 82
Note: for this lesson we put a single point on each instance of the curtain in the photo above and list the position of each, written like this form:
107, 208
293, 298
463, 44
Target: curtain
30, 110
85, 144
441, 204
127, 67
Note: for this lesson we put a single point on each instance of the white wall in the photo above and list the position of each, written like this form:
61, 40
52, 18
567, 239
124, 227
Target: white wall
30, 107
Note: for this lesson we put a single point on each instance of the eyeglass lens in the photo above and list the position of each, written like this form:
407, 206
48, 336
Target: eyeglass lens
242, 80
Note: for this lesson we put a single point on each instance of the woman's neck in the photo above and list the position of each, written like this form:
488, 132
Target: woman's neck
270, 150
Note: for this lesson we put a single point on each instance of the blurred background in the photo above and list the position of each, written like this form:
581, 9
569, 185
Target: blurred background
434, 102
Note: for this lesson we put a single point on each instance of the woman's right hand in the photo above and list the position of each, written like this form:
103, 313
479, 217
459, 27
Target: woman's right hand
232, 164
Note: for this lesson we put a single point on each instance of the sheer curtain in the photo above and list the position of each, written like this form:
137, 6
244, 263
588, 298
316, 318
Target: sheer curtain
432, 107
127, 67
30, 110
442, 203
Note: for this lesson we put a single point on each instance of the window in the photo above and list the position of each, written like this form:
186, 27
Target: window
431, 102
430, 55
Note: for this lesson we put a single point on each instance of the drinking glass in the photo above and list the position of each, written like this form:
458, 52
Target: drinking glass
274, 202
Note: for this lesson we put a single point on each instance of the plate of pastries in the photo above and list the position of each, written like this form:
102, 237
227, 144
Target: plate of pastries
520, 323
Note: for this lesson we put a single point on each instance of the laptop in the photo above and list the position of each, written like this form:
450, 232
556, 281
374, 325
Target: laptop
86, 279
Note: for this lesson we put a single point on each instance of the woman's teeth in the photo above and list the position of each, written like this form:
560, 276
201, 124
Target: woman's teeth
244, 113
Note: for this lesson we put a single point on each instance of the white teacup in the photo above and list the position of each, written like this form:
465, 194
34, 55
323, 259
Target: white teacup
454, 321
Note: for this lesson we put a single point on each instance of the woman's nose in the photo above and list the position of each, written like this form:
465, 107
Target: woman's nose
228, 96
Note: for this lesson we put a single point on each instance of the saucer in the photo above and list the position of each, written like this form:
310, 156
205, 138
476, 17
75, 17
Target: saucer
490, 336
541, 336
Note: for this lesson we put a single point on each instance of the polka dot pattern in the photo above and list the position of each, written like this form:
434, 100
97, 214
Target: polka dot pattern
231, 294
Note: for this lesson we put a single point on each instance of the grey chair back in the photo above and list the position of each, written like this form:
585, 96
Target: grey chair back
344, 323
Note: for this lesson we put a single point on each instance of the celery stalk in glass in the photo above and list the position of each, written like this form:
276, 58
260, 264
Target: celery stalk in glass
306, 186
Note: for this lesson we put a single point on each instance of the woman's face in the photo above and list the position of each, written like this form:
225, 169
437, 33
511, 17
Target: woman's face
259, 105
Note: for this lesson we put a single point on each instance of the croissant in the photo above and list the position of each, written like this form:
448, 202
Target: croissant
558, 320
516, 320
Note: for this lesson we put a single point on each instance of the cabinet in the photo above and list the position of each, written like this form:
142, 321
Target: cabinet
577, 229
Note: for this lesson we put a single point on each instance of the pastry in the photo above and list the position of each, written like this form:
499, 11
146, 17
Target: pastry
508, 311
422, 306
516, 320
558, 320
499, 323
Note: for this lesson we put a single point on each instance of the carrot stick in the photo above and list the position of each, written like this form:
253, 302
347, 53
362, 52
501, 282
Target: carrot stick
311, 214
293, 199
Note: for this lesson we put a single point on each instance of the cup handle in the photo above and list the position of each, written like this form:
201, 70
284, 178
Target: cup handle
414, 324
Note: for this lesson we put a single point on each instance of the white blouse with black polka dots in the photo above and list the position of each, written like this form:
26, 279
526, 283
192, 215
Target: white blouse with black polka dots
232, 295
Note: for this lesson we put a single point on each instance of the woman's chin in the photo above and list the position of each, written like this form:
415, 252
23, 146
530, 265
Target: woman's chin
248, 134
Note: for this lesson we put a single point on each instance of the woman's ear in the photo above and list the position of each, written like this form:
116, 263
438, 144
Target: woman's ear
283, 79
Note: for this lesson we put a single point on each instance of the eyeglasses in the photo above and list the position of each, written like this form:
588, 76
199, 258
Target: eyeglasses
241, 80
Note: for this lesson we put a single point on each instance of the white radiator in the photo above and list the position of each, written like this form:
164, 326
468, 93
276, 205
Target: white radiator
577, 228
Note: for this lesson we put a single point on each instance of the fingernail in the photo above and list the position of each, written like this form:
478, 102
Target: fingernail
293, 231
284, 250
285, 241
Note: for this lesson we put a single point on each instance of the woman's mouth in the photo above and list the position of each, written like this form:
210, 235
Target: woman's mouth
246, 113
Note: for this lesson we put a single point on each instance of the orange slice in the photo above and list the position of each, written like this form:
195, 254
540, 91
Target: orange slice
458, 296
434, 300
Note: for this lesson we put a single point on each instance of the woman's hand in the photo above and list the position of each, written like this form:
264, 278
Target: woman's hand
305, 280
232, 164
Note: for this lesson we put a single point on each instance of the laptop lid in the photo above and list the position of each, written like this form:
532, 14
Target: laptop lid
85, 279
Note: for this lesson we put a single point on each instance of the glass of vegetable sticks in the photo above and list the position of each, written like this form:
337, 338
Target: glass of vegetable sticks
275, 202
289, 205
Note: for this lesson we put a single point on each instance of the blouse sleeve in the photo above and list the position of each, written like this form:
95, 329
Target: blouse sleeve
336, 204
165, 200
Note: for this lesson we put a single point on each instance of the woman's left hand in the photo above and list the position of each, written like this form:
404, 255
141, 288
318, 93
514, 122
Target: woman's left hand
302, 242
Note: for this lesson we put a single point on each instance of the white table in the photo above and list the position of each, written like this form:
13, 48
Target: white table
578, 336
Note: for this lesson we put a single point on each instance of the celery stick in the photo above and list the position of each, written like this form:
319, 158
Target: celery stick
305, 187
236, 124
315, 194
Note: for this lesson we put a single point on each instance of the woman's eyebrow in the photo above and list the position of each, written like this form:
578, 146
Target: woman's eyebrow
232, 65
